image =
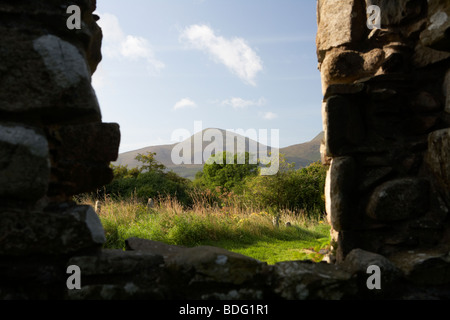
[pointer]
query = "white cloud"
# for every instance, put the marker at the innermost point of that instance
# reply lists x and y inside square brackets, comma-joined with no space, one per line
[270,115]
[184,103]
[117,44]
[234,53]
[241,103]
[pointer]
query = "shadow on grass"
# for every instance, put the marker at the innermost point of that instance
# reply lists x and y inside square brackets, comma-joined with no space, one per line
[307,245]
[293,234]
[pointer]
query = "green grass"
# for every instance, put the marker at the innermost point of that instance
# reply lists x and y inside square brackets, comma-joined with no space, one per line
[250,232]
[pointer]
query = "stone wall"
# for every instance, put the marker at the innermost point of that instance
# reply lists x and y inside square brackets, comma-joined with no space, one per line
[53,144]
[386,120]
[386,116]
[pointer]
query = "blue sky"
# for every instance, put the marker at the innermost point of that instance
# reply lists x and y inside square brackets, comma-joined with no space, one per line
[231,64]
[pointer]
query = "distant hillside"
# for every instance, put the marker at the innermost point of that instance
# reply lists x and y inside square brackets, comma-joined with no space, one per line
[302,154]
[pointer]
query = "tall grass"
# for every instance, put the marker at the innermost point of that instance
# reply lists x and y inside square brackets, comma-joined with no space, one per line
[204,222]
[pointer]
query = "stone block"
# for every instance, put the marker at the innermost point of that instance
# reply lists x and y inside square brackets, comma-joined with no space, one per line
[424,56]
[116,262]
[303,280]
[24,163]
[399,199]
[343,89]
[118,275]
[446,91]
[340,22]
[358,261]
[339,193]
[50,77]
[424,267]
[47,233]
[437,159]
[424,102]
[343,66]
[398,12]
[370,177]
[81,155]
[94,142]
[344,128]
[436,34]
[215,265]
[150,246]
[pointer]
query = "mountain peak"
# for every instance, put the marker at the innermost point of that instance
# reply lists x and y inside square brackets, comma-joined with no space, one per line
[302,154]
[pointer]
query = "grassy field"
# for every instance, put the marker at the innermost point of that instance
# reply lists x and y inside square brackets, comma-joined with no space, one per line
[249,232]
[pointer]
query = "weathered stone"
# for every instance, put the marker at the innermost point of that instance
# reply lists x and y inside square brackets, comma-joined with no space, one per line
[47,72]
[342,89]
[53,16]
[81,155]
[339,190]
[372,176]
[342,66]
[116,262]
[424,56]
[388,74]
[438,159]
[339,23]
[94,33]
[24,163]
[88,217]
[324,158]
[124,275]
[63,61]
[399,199]
[302,280]
[437,35]
[398,12]
[96,142]
[446,91]
[27,233]
[425,102]
[425,267]
[150,246]
[215,265]
[344,127]
[358,261]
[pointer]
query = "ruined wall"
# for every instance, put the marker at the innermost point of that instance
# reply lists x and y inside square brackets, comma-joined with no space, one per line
[386,116]
[53,144]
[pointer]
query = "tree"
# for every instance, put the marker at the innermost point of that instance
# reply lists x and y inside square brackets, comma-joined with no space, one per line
[121,172]
[229,175]
[148,181]
[149,163]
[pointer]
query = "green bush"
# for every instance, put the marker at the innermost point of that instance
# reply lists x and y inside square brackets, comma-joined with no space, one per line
[295,190]
[221,173]
[152,184]
[150,180]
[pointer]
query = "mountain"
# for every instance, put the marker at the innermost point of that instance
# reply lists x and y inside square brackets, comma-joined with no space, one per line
[302,154]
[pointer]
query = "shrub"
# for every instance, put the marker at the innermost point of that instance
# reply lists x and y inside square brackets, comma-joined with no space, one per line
[150,180]
[297,190]
[220,172]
